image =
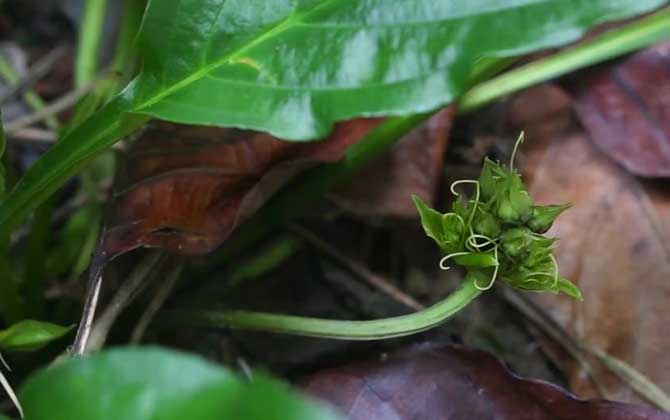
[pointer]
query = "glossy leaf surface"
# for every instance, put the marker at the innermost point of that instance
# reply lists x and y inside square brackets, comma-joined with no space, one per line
[293,68]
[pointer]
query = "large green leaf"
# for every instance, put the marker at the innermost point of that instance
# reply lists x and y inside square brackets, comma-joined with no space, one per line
[28,335]
[155,384]
[293,67]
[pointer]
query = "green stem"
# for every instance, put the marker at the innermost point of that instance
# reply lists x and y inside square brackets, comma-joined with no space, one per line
[615,43]
[398,326]
[90,35]
[35,263]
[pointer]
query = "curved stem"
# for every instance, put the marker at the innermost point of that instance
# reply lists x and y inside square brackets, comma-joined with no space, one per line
[398,326]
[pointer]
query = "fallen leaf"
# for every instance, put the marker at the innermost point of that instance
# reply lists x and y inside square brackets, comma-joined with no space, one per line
[455,383]
[413,166]
[615,245]
[625,108]
[186,188]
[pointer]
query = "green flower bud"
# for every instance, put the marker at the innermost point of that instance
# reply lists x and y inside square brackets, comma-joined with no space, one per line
[544,216]
[512,202]
[453,232]
[486,224]
[516,242]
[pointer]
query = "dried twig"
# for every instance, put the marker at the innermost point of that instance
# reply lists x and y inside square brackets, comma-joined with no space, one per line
[137,280]
[8,388]
[35,73]
[59,105]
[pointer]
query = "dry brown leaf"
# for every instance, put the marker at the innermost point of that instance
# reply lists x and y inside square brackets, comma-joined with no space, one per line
[615,244]
[413,166]
[626,110]
[455,383]
[186,188]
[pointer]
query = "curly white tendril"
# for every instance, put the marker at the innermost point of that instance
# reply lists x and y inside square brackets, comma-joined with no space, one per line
[493,277]
[516,148]
[471,241]
[447,257]
[532,277]
[476,200]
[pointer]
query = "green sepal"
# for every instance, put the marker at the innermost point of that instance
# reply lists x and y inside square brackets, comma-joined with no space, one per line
[491,174]
[477,259]
[543,216]
[431,220]
[567,287]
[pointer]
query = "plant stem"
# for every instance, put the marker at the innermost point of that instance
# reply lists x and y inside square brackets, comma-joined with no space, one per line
[617,42]
[398,326]
[90,35]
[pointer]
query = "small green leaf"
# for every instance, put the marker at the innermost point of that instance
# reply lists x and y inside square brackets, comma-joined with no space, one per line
[431,220]
[544,216]
[29,335]
[569,288]
[158,384]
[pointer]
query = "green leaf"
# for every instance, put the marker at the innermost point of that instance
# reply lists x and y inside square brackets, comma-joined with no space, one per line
[3,146]
[569,288]
[544,216]
[293,68]
[431,220]
[157,384]
[29,335]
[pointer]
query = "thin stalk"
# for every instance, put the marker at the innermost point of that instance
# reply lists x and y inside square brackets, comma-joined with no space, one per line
[90,36]
[33,100]
[614,43]
[398,326]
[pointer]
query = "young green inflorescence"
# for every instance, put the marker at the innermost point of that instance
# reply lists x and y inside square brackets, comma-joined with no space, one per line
[496,234]
[499,233]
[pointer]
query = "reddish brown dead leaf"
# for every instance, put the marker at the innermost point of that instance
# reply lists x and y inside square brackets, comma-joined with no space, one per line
[413,166]
[615,244]
[626,110]
[186,188]
[455,383]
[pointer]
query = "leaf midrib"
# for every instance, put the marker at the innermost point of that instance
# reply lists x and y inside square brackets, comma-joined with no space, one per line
[288,23]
